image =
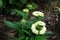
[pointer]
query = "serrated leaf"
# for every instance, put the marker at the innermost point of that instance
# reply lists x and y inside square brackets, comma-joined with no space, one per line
[10,24]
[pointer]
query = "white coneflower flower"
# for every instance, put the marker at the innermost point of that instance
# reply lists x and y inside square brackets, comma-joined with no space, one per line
[38,13]
[40,31]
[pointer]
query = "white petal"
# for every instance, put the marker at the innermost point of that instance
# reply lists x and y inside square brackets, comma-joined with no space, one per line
[33,28]
[43,30]
[38,13]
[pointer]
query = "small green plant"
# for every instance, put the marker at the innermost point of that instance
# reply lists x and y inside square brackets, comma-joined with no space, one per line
[32,28]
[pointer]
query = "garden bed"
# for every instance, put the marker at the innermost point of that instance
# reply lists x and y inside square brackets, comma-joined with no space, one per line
[50,18]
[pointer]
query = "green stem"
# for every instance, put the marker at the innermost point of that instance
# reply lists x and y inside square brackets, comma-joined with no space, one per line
[22,30]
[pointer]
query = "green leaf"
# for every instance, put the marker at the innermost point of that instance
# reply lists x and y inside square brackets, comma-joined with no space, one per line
[10,24]
[27,32]
[41,37]
[23,1]
[48,33]
[1,3]
[17,12]
[27,38]
[32,39]
[13,12]
[20,38]
[10,1]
